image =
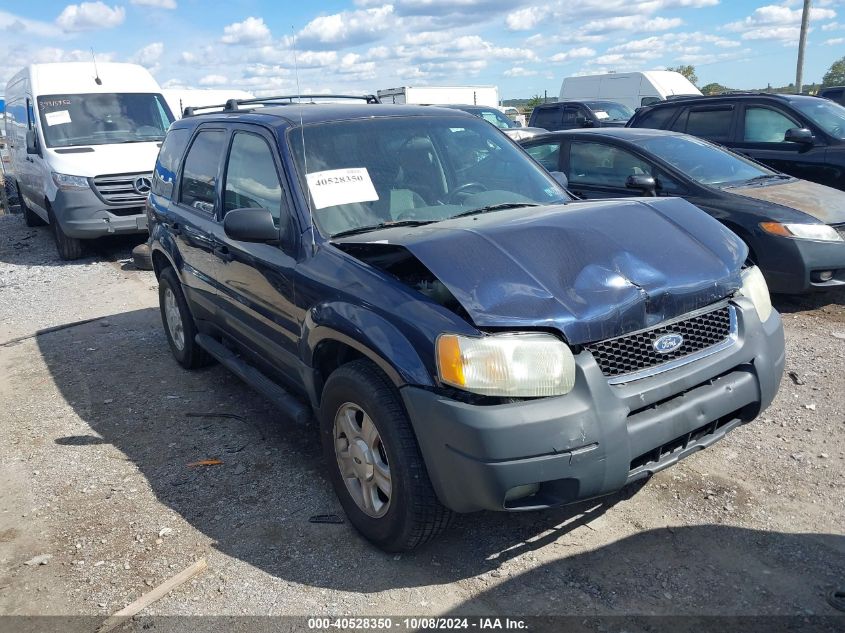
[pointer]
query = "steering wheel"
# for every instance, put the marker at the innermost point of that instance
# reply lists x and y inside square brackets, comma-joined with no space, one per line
[465,189]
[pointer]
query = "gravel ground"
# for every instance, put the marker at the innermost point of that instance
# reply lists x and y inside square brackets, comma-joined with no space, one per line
[100,426]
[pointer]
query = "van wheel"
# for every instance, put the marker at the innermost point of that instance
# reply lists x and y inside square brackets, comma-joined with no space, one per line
[69,248]
[179,323]
[31,218]
[374,460]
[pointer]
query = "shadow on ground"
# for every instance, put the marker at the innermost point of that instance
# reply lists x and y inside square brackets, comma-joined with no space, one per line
[122,381]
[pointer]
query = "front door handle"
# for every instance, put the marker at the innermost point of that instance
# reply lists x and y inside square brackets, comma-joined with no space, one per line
[223,253]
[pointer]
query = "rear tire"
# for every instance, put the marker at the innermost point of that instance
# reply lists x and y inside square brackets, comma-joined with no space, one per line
[69,248]
[178,322]
[366,431]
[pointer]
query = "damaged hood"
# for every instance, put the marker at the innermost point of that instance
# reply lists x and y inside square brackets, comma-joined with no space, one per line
[823,203]
[592,270]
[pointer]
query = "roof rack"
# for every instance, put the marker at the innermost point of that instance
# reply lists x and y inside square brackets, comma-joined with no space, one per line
[233,105]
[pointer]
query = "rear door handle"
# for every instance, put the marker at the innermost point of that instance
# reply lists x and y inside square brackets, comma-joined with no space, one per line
[223,253]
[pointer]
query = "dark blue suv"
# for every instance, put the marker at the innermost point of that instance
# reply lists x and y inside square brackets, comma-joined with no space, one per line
[465,337]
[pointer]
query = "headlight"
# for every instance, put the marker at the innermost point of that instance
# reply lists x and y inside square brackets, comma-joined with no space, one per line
[821,232]
[68,182]
[510,365]
[754,287]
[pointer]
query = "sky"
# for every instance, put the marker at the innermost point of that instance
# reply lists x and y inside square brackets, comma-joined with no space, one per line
[524,47]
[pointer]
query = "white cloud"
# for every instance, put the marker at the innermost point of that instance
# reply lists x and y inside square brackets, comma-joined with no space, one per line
[214,80]
[835,41]
[89,16]
[519,71]
[526,19]
[12,23]
[631,23]
[250,31]
[574,53]
[149,56]
[348,28]
[776,22]
[157,4]
[831,26]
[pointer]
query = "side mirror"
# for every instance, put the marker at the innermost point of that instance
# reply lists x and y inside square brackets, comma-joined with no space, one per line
[803,136]
[250,225]
[32,142]
[561,178]
[582,121]
[646,184]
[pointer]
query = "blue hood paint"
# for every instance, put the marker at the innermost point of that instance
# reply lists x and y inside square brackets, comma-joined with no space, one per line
[592,270]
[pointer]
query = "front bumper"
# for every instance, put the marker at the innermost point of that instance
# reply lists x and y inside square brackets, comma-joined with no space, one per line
[790,265]
[599,437]
[82,214]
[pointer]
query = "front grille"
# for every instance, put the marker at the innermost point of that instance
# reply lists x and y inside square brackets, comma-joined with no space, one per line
[635,352]
[119,189]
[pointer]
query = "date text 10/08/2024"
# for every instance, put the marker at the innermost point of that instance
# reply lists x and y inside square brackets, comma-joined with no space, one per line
[411,623]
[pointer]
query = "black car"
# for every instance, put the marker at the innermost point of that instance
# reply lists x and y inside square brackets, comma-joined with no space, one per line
[796,134]
[466,336]
[834,93]
[566,115]
[795,229]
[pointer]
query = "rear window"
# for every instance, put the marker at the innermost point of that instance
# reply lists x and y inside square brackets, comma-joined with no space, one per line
[714,125]
[167,164]
[657,118]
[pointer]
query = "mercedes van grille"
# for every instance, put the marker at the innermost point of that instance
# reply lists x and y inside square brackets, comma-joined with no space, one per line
[119,189]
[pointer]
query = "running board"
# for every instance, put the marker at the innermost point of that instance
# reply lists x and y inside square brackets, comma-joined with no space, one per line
[290,406]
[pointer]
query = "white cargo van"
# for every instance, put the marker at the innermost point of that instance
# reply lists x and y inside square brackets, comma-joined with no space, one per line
[180,98]
[432,95]
[631,89]
[83,140]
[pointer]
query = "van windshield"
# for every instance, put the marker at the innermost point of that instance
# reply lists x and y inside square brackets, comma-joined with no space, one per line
[100,119]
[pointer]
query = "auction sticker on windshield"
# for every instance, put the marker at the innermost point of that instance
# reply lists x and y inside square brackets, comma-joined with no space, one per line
[57,118]
[341,186]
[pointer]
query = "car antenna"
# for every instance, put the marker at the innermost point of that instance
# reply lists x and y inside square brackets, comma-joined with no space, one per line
[97,79]
[302,136]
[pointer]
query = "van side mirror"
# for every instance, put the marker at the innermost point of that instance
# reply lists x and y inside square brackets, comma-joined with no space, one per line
[561,178]
[646,184]
[250,225]
[32,142]
[803,136]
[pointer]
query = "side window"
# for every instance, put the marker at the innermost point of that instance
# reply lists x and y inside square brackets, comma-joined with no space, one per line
[548,118]
[570,116]
[167,163]
[712,124]
[599,164]
[251,177]
[669,186]
[764,125]
[199,176]
[547,154]
[658,118]
[649,100]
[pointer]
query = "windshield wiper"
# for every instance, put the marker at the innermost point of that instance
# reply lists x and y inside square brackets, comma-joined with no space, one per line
[152,139]
[763,177]
[382,225]
[496,207]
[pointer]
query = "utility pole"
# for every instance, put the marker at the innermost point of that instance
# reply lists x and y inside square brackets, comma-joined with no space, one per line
[802,41]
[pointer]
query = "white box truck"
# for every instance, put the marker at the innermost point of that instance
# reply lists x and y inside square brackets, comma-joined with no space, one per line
[631,89]
[432,95]
[83,140]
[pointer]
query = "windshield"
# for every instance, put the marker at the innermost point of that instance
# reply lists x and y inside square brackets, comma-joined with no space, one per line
[99,119]
[496,117]
[417,169]
[610,110]
[703,161]
[828,115]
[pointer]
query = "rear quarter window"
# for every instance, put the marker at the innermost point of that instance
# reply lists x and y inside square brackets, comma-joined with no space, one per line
[169,157]
[712,124]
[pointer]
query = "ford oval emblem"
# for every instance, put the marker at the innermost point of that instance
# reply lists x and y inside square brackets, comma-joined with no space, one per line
[668,343]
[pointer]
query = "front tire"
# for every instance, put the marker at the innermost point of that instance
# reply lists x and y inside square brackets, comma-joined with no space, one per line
[178,322]
[69,248]
[374,460]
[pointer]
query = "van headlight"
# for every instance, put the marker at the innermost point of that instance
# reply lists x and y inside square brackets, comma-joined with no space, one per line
[754,287]
[518,365]
[70,183]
